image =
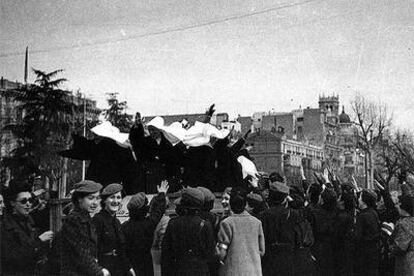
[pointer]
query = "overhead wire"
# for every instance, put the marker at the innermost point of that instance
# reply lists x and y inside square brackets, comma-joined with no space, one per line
[165,31]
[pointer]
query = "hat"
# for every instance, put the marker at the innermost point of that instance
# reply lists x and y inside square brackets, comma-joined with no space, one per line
[192,198]
[137,201]
[387,228]
[279,187]
[254,197]
[111,189]
[208,195]
[87,186]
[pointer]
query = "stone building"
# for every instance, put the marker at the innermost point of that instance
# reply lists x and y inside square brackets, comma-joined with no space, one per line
[323,129]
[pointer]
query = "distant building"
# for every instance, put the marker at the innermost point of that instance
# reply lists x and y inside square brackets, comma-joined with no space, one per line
[274,152]
[332,135]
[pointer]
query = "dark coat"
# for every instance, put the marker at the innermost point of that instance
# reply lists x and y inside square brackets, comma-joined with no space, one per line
[159,161]
[109,162]
[367,240]
[139,236]
[187,246]
[344,243]
[200,167]
[20,246]
[279,223]
[323,227]
[111,239]
[74,250]
[228,171]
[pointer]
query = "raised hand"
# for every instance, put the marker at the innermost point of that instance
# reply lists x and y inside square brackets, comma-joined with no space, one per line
[247,134]
[163,187]
[211,110]
[46,236]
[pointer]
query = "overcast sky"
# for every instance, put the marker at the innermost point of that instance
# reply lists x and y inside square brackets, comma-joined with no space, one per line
[175,56]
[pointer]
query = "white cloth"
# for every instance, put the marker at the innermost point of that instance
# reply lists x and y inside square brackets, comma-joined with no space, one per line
[196,136]
[248,168]
[106,129]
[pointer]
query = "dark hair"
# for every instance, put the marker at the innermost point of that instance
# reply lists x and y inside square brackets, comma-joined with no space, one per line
[369,199]
[349,201]
[329,199]
[298,202]
[12,192]
[238,200]
[315,191]
[275,176]
[78,195]
[407,204]
[276,197]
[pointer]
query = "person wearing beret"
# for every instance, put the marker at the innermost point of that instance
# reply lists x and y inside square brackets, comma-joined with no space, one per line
[139,229]
[21,246]
[75,249]
[111,240]
[367,235]
[279,223]
[188,244]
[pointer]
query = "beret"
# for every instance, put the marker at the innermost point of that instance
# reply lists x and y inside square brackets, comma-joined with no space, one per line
[111,189]
[87,186]
[137,201]
[208,195]
[255,197]
[192,198]
[279,187]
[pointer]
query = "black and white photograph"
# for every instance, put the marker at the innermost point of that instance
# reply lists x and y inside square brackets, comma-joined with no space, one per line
[207,137]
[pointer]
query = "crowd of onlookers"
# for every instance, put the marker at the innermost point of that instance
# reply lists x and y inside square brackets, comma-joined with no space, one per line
[321,227]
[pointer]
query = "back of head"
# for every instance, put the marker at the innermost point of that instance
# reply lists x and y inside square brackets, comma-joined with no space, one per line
[238,200]
[369,198]
[314,191]
[349,201]
[208,200]
[276,177]
[329,199]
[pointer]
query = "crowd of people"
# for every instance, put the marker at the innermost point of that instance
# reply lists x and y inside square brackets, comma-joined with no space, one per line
[319,228]
[266,224]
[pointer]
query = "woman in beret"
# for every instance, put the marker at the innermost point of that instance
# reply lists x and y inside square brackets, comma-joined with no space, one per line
[139,229]
[111,240]
[75,248]
[21,246]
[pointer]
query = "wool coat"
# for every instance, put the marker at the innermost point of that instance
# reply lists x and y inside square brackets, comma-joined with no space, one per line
[139,235]
[402,246]
[74,250]
[367,242]
[187,246]
[243,234]
[20,246]
[279,223]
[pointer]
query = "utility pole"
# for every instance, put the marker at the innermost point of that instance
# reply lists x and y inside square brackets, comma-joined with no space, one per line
[84,135]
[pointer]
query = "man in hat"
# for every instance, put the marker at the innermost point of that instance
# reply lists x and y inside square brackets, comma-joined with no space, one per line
[139,229]
[279,224]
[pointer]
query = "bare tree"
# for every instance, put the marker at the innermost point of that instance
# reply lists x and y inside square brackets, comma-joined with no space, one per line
[371,119]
